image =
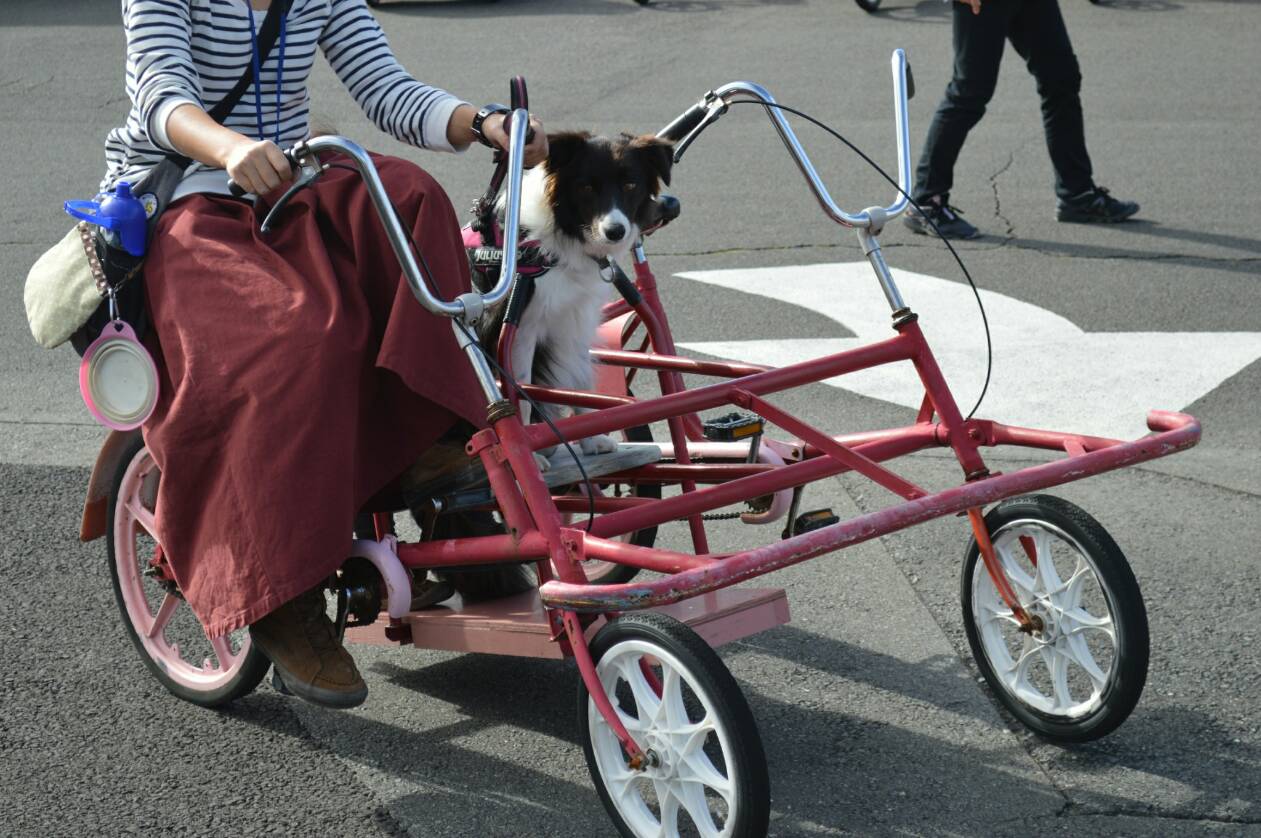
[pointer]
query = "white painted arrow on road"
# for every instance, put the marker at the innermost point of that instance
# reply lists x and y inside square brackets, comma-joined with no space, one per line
[1048,373]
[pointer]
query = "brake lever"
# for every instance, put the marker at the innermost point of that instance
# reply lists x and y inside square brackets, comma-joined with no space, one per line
[309,176]
[715,111]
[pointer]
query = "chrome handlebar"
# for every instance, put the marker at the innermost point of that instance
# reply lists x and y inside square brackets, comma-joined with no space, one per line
[468,306]
[716,101]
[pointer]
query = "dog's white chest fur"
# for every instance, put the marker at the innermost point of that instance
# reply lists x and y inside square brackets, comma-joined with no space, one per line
[553,340]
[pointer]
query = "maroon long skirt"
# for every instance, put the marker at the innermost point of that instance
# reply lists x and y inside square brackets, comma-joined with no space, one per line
[299,376]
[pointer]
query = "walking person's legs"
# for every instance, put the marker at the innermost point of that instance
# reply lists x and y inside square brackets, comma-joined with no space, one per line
[978,52]
[1039,35]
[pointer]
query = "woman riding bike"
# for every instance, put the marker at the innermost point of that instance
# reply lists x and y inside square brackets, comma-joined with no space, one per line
[298,374]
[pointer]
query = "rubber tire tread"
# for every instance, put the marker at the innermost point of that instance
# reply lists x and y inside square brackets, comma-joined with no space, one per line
[621,574]
[256,664]
[1130,616]
[754,793]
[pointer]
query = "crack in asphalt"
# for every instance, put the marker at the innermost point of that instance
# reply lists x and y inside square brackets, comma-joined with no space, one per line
[998,205]
[31,84]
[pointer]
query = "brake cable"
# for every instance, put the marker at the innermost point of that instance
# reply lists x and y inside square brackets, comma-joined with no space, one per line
[989,346]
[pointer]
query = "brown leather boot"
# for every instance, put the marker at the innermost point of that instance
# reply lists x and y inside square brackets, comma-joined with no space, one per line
[301,642]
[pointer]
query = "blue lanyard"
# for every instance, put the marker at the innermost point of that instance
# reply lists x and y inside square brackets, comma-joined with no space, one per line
[280,71]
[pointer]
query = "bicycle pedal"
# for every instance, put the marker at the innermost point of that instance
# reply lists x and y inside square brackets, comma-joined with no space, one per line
[732,427]
[815,519]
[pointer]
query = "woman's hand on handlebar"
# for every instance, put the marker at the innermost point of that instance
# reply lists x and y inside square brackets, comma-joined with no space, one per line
[460,133]
[535,148]
[257,166]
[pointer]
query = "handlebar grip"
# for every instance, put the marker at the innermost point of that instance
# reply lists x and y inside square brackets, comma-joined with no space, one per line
[520,100]
[519,97]
[239,191]
[685,123]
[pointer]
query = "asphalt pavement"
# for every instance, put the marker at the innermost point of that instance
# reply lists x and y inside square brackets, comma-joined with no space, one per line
[870,708]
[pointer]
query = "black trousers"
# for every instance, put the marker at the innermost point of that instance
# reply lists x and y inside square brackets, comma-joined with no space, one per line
[1036,31]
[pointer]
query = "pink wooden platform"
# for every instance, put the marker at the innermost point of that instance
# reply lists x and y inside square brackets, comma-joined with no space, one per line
[517,625]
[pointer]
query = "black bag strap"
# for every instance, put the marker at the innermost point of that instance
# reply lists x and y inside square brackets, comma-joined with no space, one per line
[267,35]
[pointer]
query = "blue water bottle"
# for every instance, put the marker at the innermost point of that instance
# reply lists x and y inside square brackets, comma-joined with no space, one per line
[120,215]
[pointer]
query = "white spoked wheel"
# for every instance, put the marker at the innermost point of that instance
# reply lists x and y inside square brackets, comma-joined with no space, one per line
[162,627]
[706,771]
[1080,672]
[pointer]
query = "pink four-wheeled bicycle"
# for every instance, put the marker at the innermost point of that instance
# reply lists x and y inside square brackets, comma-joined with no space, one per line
[1052,611]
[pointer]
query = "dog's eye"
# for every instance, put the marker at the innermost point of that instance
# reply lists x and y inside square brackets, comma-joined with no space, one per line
[586,188]
[629,186]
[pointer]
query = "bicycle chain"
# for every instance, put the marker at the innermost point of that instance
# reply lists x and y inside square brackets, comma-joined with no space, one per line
[755,507]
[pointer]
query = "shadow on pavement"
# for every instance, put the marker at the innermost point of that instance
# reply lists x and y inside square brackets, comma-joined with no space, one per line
[1141,5]
[924,11]
[1214,772]
[1160,231]
[933,681]
[1220,261]
[936,11]
[828,769]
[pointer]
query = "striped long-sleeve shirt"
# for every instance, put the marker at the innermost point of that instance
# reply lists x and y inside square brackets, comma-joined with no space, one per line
[182,51]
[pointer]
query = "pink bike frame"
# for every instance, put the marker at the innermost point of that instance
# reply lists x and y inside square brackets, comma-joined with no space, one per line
[535,518]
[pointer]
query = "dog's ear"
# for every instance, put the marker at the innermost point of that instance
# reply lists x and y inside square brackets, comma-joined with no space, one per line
[563,147]
[657,153]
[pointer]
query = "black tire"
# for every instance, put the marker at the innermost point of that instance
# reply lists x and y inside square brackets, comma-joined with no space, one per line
[868,5]
[253,669]
[708,676]
[482,582]
[617,574]
[1112,585]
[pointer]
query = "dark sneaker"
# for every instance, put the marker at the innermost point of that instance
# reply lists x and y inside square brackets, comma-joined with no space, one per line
[301,642]
[1094,206]
[945,217]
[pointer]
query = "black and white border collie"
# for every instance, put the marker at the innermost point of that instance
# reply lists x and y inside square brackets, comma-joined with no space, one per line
[588,202]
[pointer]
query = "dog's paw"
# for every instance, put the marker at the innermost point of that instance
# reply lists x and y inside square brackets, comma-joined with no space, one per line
[599,444]
[541,461]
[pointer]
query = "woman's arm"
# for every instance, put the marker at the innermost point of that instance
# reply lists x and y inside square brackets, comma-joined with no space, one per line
[257,165]
[160,62]
[168,94]
[408,110]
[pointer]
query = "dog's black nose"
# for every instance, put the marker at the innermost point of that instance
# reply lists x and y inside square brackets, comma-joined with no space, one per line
[614,232]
